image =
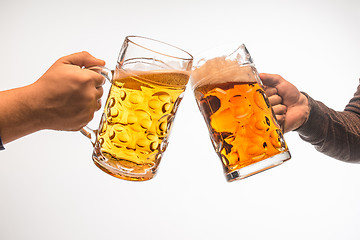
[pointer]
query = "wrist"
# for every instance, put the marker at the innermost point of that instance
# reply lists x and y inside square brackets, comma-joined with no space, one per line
[34,105]
[17,117]
[304,108]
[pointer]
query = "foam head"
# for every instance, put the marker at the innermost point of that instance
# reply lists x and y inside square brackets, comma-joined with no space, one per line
[221,69]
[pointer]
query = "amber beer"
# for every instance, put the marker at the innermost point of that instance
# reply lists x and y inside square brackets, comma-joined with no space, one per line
[137,120]
[239,117]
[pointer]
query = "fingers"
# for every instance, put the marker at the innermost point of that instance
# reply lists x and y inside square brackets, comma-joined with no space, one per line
[82,59]
[281,121]
[269,91]
[98,105]
[97,78]
[275,100]
[273,96]
[98,95]
[280,109]
[280,113]
[99,92]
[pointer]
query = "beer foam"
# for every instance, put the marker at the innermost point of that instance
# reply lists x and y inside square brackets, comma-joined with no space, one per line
[220,70]
[171,77]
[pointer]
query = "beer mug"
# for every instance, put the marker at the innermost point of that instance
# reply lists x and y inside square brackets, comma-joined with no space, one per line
[242,126]
[147,87]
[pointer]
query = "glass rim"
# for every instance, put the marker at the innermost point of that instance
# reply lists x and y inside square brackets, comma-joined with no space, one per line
[132,39]
[227,50]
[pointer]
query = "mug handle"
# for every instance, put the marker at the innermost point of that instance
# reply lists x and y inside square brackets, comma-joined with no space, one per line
[108,74]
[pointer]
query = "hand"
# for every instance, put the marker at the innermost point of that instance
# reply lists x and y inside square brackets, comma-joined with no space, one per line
[289,104]
[64,98]
[68,94]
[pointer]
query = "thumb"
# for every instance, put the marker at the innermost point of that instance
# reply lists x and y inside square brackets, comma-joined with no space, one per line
[82,59]
[270,80]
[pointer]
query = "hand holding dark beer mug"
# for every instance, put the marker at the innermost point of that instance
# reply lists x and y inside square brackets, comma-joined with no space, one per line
[242,127]
[290,105]
[334,133]
[146,89]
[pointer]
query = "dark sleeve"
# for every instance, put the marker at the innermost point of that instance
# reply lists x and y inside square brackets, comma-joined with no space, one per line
[1,145]
[334,133]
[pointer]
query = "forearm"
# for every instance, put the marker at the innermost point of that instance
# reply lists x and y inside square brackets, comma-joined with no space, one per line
[336,134]
[18,113]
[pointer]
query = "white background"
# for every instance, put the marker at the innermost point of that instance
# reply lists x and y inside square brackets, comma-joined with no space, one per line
[50,189]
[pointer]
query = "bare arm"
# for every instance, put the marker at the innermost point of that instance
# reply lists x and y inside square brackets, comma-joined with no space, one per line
[64,98]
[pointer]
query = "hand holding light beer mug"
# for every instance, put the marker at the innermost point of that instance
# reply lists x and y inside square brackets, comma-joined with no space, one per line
[240,120]
[146,89]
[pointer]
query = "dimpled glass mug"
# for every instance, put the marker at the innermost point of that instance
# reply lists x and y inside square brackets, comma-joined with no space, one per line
[147,87]
[240,120]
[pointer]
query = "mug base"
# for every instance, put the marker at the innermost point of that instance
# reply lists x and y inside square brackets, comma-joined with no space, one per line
[258,167]
[118,173]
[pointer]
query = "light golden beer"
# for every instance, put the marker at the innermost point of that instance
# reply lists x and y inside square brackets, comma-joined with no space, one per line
[137,120]
[238,115]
